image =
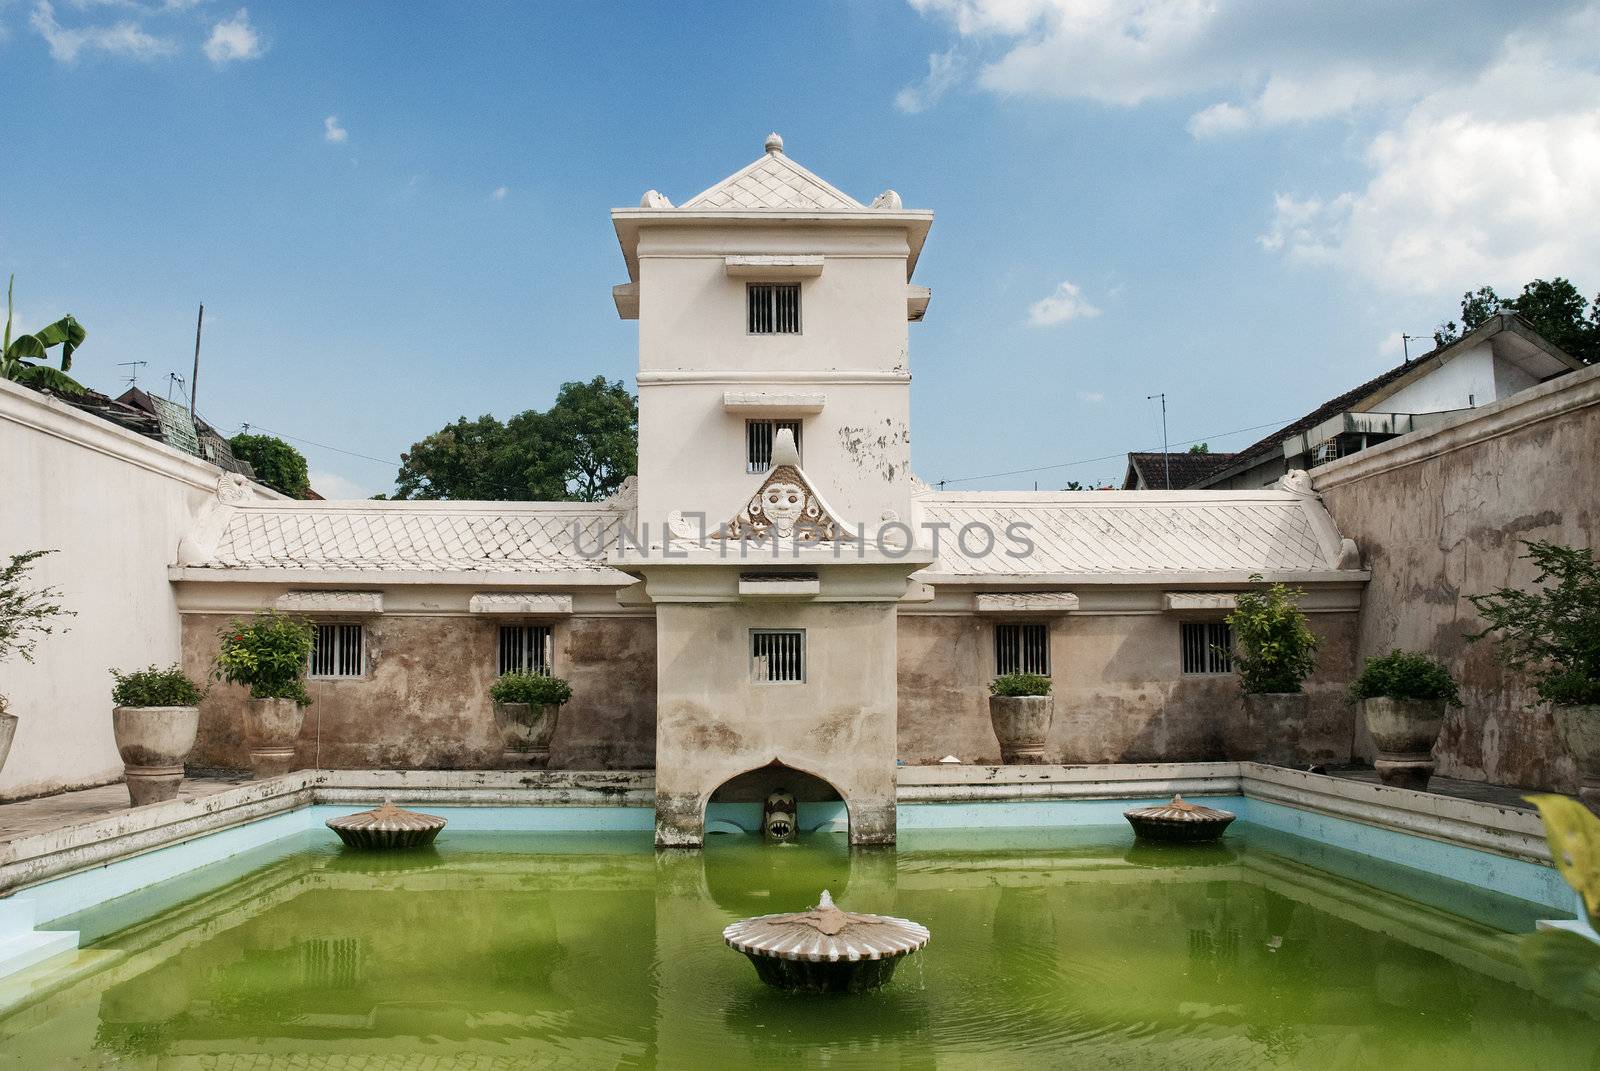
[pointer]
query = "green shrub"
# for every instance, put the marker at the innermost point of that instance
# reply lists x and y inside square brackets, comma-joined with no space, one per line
[267,654]
[26,613]
[534,689]
[1014,684]
[1403,675]
[1276,648]
[153,687]
[1553,633]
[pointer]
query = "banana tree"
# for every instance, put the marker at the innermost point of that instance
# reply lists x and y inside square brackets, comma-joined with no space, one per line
[17,353]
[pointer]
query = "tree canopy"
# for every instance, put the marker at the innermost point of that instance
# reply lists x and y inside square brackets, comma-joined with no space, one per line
[581,448]
[1555,308]
[277,464]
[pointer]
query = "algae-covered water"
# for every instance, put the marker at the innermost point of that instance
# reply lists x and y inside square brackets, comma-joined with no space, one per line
[1050,949]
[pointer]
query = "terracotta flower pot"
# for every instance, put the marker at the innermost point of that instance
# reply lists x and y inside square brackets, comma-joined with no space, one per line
[527,733]
[1404,731]
[271,727]
[1579,731]
[153,742]
[1022,725]
[1272,724]
[8,730]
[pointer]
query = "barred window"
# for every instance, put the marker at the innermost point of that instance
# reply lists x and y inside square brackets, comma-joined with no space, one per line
[338,651]
[759,435]
[778,656]
[1022,649]
[526,649]
[1207,646]
[773,308]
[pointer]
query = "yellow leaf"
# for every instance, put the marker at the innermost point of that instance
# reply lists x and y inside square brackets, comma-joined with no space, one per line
[1574,834]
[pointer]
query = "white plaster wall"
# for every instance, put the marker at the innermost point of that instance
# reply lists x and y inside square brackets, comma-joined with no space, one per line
[114,506]
[693,347]
[1474,378]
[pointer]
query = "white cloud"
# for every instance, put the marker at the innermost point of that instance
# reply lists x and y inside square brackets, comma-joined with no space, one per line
[944,70]
[127,38]
[332,131]
[1093,397]
[499,193]
[1067,303]
[1492,181]
[1220,118]
[234,39]
[332,485]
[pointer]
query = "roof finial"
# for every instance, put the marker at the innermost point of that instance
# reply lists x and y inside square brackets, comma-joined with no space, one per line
[774,143]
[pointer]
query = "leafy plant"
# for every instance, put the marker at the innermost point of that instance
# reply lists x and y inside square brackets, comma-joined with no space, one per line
[1016,684]
[16,353]
[154,687]
[1276,647]
[26,614]
[1552,632]
[268,655]
[1403,675]
[276,463]
[535,689]
[1564,965]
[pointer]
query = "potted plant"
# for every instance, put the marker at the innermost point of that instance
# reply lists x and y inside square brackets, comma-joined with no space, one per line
[1275,651]
[1403,698]
[155,718]
[1020,708]
[1554,634]
[268,654]
[526,706]
[25,618]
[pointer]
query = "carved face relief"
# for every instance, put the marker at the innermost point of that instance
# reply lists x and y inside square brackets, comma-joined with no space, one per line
[778,816]
[784,503]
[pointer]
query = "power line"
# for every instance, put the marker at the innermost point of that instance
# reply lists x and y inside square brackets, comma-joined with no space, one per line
[321,446]
[1108,457]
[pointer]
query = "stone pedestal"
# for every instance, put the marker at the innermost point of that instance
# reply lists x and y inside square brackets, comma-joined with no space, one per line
[1022,725]
[1404,731]
[527,731]
[271,727]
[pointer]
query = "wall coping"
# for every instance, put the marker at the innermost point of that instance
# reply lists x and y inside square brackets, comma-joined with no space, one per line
[1548,401]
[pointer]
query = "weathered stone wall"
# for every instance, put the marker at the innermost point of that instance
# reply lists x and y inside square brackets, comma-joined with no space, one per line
[1443,515]
[1120,693]
[424,703]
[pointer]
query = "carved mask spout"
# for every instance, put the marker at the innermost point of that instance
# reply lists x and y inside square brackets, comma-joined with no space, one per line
[778,817]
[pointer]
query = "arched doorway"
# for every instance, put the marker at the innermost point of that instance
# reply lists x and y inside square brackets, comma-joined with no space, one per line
[735,805]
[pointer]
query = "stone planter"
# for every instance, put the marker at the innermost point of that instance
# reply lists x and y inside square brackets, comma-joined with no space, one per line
[1579,731]
[271,727]
[527,733]
[8,730]
[1022,725]
[1273,722]
[1404,731]
[153,742]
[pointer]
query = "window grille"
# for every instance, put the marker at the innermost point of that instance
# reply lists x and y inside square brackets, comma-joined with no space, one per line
[1022,649]
[759,435]
[773,308]
[526,649]
[778,656]
[1207,646]
[337,651]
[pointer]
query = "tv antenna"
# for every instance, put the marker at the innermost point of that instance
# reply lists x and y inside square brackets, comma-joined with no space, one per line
[133,376]
[1405,344]
[175,380]
[1166,460]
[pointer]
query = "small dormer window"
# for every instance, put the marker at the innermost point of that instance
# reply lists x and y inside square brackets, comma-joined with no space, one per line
[759,435]
[773,308]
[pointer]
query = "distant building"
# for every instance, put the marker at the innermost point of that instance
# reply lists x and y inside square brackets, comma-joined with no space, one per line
[1502,357]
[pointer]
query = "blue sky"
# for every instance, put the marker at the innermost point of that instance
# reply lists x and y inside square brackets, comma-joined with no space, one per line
[396,215]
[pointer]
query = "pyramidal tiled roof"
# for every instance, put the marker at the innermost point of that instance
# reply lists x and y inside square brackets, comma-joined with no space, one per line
[775,182]
[1120,533]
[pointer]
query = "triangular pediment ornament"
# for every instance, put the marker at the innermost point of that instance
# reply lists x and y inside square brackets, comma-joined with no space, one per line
[786,506]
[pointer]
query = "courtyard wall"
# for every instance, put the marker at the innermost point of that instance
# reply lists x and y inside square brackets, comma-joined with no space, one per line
[113,506]
[1443,515]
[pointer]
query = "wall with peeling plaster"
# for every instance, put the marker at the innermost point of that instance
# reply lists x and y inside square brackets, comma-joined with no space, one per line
[1442,515]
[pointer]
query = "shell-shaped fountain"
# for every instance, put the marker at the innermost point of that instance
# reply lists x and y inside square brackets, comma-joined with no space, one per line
[826,949]
[386,827]
[1179,820]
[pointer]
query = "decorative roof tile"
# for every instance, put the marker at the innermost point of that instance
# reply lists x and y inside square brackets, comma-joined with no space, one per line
[774,182]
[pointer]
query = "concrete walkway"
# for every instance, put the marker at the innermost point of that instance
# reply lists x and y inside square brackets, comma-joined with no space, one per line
[1478,791]
[44,813]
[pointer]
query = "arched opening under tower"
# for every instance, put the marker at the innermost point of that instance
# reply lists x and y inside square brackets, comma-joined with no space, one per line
[740,804]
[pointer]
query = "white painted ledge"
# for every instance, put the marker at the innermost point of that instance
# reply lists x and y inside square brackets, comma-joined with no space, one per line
[770,402]
[773,267]
[331,602]
[516,602]
[1025,602]
[1181,601]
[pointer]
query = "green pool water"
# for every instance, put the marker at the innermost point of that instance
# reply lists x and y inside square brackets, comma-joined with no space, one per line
[1050,949]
